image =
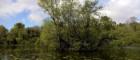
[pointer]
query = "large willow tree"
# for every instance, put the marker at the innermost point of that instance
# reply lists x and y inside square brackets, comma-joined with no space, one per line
[75,26]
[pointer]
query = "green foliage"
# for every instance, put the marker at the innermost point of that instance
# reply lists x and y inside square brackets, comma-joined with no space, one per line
[17,34]
[77,29]
[3,36]
[47,37]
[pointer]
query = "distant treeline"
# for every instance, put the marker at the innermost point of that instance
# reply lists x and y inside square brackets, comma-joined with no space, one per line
[103,37]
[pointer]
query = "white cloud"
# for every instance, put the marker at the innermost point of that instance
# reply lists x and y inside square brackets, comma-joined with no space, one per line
[10,8]
[121,10]
[118,10]
[38,17]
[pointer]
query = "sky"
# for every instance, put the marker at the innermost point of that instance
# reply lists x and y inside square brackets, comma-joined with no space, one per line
[26,11]
[29,13]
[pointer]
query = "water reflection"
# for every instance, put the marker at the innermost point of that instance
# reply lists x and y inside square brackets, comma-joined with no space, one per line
[35,54]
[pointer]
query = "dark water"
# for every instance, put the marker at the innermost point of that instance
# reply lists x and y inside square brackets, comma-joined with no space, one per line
[129,53]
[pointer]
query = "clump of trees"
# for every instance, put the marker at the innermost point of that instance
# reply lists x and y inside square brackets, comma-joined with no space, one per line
[75,31]
[19,40]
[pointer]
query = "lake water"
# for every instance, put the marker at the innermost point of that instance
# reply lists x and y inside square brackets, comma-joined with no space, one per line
[130,54]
